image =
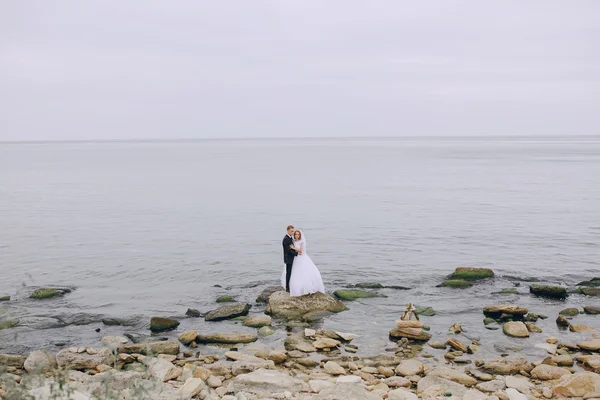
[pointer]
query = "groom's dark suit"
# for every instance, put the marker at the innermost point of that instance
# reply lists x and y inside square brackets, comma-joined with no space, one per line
[288,259]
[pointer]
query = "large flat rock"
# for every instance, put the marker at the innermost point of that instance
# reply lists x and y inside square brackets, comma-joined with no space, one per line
[282,305]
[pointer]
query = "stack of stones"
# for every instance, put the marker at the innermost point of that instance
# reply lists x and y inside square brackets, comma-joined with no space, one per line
[409,329]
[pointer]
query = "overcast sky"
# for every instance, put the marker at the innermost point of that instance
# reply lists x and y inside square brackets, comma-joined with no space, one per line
[115,69]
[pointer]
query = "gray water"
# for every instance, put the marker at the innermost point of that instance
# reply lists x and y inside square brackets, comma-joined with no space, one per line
[149,228]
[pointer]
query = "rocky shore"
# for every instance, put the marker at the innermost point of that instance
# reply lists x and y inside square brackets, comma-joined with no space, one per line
[317,363]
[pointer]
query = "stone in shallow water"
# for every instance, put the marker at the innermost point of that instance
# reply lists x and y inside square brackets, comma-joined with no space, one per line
[47,293]
[455,283]
[160,324]
[257,321]
[550,291]
[354,294]
[515,329]
[497,310]
[472,274]
[507,366]
[228,312]
[570,312]
[591,310]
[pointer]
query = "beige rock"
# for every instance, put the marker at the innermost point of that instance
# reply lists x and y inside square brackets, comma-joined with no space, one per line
[590,345]
[326,343]
[87,359]
[188,337]
[386,371]
[474,394]
[257,321]
[515,329]
[161,369]
[410,367]
[317,385]
[409,333]
[397,381]
[202,373]
[192,387]
[280,304]
[453,375]
[227,338]
[507,366]
[520,383]
[491,386]
[552,340]
[409,324]
[514,394]
[277,357]
[333,368]
[457,344]
[214,382]
[545,372]
[533,328]
[578,385]
[505,309]
[108,340]
[580,328]
[40,361]
[402,394]
[166,347]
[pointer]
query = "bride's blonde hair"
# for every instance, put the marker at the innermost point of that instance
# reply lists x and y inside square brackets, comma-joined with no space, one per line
[299,235]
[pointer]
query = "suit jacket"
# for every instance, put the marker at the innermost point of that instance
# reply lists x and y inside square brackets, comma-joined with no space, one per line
[288,253]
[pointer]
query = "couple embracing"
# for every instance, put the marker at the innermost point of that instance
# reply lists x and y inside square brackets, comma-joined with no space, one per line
[300,275]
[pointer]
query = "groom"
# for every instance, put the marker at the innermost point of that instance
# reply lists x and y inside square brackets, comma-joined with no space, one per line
[288,255]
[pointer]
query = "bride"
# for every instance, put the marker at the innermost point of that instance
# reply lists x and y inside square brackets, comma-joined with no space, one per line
[306,278]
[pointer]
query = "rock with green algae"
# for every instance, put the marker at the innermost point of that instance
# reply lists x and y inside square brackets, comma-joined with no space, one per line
[225,299]
[424,311]
[5,298]
[353,294]
[472,274]
[161,324]
[8,323]
[569,312]
[456,283]
[47,293]
[595,282]
[550,291]
[588,291]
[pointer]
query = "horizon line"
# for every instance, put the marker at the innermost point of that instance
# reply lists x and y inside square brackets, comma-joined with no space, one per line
[267,138]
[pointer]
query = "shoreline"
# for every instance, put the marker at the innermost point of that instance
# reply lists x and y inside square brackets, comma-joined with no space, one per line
[309,363]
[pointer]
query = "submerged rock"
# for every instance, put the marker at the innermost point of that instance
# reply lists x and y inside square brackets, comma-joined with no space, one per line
[354,294]
[282,305]
[425,311]
[588,291]
[167,347]
[161,324]
[472,274]
[5,298]
[550,291]
[8,323]
[228,312]
[591,310]
[225,299]
[594,282]
[455,283]
[47,293]
[569,312]
[507,291]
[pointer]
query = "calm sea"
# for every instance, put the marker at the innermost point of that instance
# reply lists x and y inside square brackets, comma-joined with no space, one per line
[149,228]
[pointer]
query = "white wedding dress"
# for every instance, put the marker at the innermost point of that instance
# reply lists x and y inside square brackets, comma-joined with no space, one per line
[306,278]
